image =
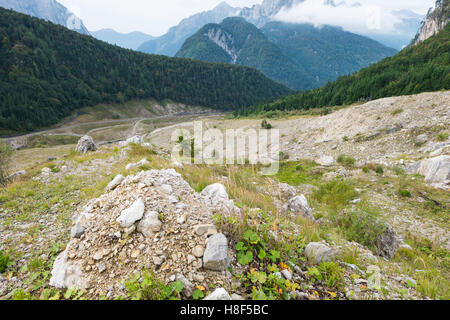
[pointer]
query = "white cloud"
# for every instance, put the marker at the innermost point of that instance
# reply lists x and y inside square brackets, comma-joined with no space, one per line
[363,16]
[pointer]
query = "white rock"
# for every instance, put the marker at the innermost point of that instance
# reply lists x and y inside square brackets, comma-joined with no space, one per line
[86,144]
[216,254]
[216,191]
[135,140]
[134,213]
[66,274]
[218,294]
[131,166]
[326,161]
[436,171]
[299,205]
[16,174]
[150,225]
[115,182]
[318,252]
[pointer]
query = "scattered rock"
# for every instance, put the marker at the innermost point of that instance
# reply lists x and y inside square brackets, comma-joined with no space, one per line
[218,294]
[131,166]
[299,205]
[436,171]
[198,251]
[86,144]
[326,161]
[216,191]
[134,213]
[208,229]
[66,274]
[236,297]
[115,182]
[188,287]
[386,245]
[150,225]
[318,252]
[287,274]
[16,175]
[216,253]
[77,231]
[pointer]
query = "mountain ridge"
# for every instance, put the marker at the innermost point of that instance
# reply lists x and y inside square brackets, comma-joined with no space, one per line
[302,57]
[47,71]
[49,10]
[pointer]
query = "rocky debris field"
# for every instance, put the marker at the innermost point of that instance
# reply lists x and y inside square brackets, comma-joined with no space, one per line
[362,217]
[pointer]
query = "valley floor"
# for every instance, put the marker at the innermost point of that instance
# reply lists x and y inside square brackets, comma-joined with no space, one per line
[357,167]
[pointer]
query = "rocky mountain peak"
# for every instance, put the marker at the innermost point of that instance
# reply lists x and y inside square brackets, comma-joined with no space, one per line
[435,21]
[49,10]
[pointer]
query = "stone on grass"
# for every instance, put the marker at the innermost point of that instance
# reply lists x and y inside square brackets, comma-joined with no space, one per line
[387,244]
[86,144]
[318,252]
[299,205]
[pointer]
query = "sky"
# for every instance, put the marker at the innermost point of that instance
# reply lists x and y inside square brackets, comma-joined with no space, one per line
[155,17]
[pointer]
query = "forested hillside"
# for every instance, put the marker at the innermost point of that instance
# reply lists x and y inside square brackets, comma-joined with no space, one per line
[326,52]
[48,71]
[239,42]
[425,67]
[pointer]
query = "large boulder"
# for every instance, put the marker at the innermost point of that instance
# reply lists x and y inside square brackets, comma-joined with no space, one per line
[299,205]
[86,144]
[129,216]
[318,252]
[436,171]
[215,256]
[387,244]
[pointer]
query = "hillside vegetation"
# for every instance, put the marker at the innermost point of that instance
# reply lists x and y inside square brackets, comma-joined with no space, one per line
[47,71]
[425,67]
[245,45]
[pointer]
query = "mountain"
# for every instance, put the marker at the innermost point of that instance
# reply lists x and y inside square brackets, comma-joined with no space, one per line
[49,10]
[300,56]
[130,40]
[435,21]
[421,68]
[48,71]
[326,52]
[172,41]
[260,14]
[239,42]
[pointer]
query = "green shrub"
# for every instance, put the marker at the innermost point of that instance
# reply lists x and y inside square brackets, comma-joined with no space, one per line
[362,226]
[346,160]
[404,193]
[4,261]
[266,125]
[328,273]
[379,170]
[397,111]
[335,194]
[146,286]
[443,136]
